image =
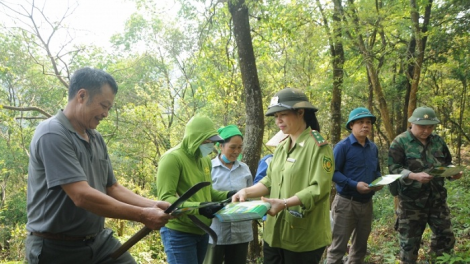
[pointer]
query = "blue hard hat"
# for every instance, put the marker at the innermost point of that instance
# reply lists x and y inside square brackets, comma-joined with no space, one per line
[358,113]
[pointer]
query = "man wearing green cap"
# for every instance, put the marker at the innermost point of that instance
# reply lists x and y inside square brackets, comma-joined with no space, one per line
[422,197]
[356,166]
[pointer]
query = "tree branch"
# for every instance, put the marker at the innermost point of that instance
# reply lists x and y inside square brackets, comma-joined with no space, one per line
[29,108]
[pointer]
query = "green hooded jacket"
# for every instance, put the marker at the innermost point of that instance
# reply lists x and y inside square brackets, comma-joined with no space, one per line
[182,167]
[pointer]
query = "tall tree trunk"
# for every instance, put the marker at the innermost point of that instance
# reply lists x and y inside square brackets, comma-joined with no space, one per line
[403,125]
[463,102]
[337,59]
[370,104]
[379,94]
[254,107]
[420,38]
[372,70]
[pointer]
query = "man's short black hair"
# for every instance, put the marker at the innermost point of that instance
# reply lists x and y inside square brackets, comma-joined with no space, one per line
[91,80]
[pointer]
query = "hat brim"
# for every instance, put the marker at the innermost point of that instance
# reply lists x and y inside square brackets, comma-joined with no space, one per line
[276,139]
[293,105]
[216,138]
[272,110]
[372,118]
[423,122]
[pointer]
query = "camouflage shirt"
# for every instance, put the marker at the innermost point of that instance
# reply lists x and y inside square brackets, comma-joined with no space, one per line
[407,154]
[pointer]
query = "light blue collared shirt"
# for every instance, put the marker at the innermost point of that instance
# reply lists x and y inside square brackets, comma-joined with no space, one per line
[225,179]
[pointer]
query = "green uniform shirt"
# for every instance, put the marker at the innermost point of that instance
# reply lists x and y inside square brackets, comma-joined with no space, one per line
[305,171]
[182,167]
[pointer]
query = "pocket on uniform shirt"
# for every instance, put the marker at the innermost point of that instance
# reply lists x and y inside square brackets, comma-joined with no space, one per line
[297,228]
[414,161]
[439,156]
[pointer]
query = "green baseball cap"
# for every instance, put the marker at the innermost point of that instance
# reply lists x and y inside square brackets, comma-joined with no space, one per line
[288,99]
[424,116]
[358,113]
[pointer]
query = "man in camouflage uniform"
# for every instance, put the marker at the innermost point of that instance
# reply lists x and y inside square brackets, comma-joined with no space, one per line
[422,197]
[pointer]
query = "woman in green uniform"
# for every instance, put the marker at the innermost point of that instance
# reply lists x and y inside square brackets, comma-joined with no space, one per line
[298,184]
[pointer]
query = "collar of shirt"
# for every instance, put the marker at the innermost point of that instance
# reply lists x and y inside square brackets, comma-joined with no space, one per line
[66,123]
[299,142]
[353,140]
[216,162]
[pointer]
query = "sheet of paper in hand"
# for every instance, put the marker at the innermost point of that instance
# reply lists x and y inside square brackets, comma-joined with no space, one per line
[384,180]
[446,171]
[243,211]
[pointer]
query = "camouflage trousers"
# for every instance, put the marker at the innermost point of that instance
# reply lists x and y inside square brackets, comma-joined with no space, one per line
[411,222]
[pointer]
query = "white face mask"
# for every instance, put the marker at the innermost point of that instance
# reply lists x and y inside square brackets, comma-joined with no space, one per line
[206,148]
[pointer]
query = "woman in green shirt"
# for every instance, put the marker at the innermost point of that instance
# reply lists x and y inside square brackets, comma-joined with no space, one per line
[298,184]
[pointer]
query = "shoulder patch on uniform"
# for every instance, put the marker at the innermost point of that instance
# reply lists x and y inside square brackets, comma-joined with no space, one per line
[327,164]
[318,138]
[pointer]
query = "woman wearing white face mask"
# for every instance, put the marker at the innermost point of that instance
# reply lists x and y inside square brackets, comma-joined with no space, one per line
[178,170]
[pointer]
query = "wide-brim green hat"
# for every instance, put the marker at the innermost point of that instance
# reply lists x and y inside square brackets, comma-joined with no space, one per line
[424,116]
[288,99]
[359,113]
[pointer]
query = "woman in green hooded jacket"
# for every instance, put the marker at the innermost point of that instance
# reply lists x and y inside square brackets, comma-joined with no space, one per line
[179,169]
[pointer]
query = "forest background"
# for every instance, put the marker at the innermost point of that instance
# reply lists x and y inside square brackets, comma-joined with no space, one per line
[226,59]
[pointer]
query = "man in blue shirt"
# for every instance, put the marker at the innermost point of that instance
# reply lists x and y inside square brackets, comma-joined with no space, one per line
[356,165]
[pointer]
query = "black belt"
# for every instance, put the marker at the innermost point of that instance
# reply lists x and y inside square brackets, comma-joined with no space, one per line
[63,237]
[356,199]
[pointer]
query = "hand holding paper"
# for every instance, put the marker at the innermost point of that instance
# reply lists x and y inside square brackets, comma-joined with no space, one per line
[384,180]
[446,171]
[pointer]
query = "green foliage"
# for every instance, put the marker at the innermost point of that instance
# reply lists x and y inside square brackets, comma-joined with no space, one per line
[449,259]
[171,67]
[15,243]
[383,241]
[14,210]
[148,250]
